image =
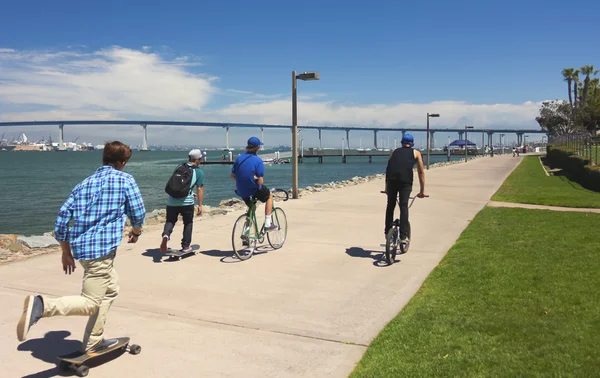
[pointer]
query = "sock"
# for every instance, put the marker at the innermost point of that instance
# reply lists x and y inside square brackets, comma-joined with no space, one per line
[268,220]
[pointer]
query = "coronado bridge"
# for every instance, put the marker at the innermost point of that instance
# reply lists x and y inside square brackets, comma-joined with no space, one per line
[144,125]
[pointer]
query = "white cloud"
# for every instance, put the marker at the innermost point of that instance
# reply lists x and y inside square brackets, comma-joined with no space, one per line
[452,114]
[114,80]
[122,83]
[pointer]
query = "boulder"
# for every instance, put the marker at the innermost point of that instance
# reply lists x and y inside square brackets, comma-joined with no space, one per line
[37,241]
[150,216]
[15,247]
[6,239]
[230,202]
[218,212]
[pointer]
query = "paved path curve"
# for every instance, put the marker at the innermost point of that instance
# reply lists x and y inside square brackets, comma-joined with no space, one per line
[541,207]
[307,310]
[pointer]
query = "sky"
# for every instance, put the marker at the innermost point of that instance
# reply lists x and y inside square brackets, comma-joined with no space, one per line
[381,63]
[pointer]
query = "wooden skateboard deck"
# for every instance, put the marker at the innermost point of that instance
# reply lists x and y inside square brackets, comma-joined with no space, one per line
[75,361]
[178,254]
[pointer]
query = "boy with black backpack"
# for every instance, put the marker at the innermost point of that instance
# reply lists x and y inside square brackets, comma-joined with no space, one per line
[180,189]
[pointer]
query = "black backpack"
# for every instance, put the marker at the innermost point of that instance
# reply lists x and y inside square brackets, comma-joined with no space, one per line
[180,182]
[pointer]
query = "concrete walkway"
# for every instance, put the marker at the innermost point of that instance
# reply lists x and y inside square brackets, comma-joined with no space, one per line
[542,207]
[309,309]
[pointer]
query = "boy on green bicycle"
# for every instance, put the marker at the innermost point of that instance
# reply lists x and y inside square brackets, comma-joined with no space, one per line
[248,172]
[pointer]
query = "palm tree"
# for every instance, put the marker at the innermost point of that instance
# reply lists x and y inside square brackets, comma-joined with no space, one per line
[587,70]
[575,84]
[594,87]
[568,76]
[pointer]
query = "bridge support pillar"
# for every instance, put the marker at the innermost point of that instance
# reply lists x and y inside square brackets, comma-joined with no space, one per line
[347,138]
[371,157]
[320,143]
[482,142]
[375,138]
[61,137]
[262,136]
[145,141]
[461,135]
[320,159]
[227,137]
[432,140]
[344,159]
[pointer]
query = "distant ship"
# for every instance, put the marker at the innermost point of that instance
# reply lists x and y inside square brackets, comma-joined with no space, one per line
[5,146]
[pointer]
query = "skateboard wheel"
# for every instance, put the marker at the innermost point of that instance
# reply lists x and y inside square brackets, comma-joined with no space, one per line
[64,366]
[135,349]
[82,371]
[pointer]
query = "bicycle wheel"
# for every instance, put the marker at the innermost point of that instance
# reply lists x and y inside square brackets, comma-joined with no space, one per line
[277,237]
[391,245]
[242,240]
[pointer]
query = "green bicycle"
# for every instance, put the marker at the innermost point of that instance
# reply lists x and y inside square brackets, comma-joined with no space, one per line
[246,233]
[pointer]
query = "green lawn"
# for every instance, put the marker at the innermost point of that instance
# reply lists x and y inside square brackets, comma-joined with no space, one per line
[529,184]
[518,295]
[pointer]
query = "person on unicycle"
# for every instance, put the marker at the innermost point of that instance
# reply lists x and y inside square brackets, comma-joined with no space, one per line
[399,180]
[248,172]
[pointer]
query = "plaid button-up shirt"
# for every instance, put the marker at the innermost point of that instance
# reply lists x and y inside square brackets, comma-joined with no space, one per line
[98,207]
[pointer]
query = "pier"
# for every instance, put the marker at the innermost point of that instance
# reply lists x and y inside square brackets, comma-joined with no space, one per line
[320,154]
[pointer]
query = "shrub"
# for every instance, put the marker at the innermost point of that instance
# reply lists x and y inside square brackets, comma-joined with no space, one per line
[578,168]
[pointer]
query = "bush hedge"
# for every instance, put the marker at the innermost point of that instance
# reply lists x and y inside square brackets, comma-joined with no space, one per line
[578,168]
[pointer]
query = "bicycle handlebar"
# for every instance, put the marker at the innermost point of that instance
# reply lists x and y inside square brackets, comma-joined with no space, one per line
[417,196]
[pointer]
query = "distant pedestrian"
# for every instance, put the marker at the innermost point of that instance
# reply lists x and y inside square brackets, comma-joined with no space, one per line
[97,206]
[180,188]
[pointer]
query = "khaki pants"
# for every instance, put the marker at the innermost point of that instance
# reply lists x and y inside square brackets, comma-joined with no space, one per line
[99,290]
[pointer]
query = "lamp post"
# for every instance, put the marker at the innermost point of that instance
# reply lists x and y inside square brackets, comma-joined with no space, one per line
[428,116]
[467,141]
[303,76]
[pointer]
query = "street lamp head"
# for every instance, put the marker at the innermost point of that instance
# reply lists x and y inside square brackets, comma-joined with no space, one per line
[308,76]
[433,115]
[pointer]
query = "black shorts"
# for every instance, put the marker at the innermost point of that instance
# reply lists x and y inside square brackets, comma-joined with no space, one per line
[261,194]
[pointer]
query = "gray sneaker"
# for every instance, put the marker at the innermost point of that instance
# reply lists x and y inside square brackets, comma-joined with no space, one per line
[103,344]
[271,227]
[33,309]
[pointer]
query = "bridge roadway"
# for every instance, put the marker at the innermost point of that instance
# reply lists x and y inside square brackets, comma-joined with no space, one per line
[307,310]
[145,124]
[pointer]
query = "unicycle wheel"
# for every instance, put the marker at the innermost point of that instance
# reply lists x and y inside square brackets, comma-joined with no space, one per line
[391,245]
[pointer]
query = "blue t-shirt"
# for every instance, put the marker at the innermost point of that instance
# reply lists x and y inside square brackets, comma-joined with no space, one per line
[197,181]
[247,166]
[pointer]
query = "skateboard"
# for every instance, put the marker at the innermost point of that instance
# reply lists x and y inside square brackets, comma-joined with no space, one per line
[175,254]
[75,361]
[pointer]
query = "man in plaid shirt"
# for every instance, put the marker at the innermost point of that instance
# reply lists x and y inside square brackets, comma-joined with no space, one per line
[98,207]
